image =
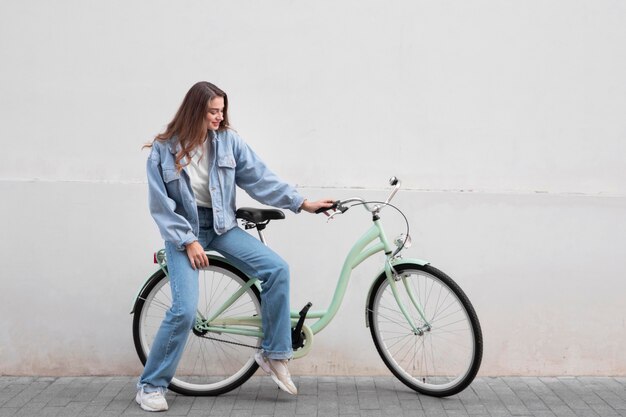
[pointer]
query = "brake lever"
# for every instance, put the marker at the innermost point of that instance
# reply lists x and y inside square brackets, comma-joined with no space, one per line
[332,216]
[338,210]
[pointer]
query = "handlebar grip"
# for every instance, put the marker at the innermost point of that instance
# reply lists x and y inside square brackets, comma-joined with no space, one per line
[323,209]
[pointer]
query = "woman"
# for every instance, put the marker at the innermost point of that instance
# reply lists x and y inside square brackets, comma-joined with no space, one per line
[192,172]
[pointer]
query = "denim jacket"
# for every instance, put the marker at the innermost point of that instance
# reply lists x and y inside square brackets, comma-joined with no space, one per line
[232,162]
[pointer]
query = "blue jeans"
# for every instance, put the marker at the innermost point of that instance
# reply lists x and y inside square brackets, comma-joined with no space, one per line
[250,256]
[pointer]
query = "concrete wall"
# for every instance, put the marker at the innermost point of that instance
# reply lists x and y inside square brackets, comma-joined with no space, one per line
[504,119]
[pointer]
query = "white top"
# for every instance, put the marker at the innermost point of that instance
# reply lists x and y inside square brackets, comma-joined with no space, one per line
[198,170]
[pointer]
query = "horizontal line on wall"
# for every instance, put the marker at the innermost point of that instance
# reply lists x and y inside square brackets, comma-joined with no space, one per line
[328,187]
[475,191]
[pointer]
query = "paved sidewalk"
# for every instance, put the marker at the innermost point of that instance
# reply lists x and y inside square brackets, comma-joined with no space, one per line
[322,396]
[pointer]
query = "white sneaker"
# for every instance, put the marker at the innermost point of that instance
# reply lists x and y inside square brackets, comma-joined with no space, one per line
[263,362]
[278,371]
[151,401]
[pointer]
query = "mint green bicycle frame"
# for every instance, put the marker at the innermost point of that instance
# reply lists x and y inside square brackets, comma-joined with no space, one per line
[372,242]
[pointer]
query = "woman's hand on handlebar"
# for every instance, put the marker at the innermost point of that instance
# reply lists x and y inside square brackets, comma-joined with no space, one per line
[196,255]
[318,206]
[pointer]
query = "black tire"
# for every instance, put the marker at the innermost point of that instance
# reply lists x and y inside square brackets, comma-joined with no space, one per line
[442,361]
[207,367]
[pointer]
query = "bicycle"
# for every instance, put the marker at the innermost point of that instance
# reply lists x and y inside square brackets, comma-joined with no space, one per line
[422,324]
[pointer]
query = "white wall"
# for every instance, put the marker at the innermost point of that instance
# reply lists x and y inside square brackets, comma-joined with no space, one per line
[504,119]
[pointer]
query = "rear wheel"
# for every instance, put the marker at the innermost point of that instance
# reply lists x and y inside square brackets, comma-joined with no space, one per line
[208,366]
[445,358]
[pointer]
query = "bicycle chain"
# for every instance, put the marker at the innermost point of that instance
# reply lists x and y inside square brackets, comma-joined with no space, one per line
[230,342]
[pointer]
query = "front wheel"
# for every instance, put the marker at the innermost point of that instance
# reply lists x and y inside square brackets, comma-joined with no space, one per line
[443,357]
[211,363]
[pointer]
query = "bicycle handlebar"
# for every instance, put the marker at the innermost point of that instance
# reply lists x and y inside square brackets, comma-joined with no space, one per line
[394,181]
[333,207]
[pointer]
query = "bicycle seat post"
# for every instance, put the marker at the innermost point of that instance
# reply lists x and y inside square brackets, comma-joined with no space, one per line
[261,235]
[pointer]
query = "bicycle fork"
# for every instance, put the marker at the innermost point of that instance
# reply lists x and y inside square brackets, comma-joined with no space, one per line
[393,277]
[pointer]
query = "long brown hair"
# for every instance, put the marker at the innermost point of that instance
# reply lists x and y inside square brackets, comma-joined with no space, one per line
[187,123]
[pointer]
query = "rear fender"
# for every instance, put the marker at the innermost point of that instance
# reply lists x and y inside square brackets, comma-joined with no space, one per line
[212,257]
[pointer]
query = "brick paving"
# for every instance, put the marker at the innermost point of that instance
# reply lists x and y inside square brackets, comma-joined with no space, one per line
[322,396]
